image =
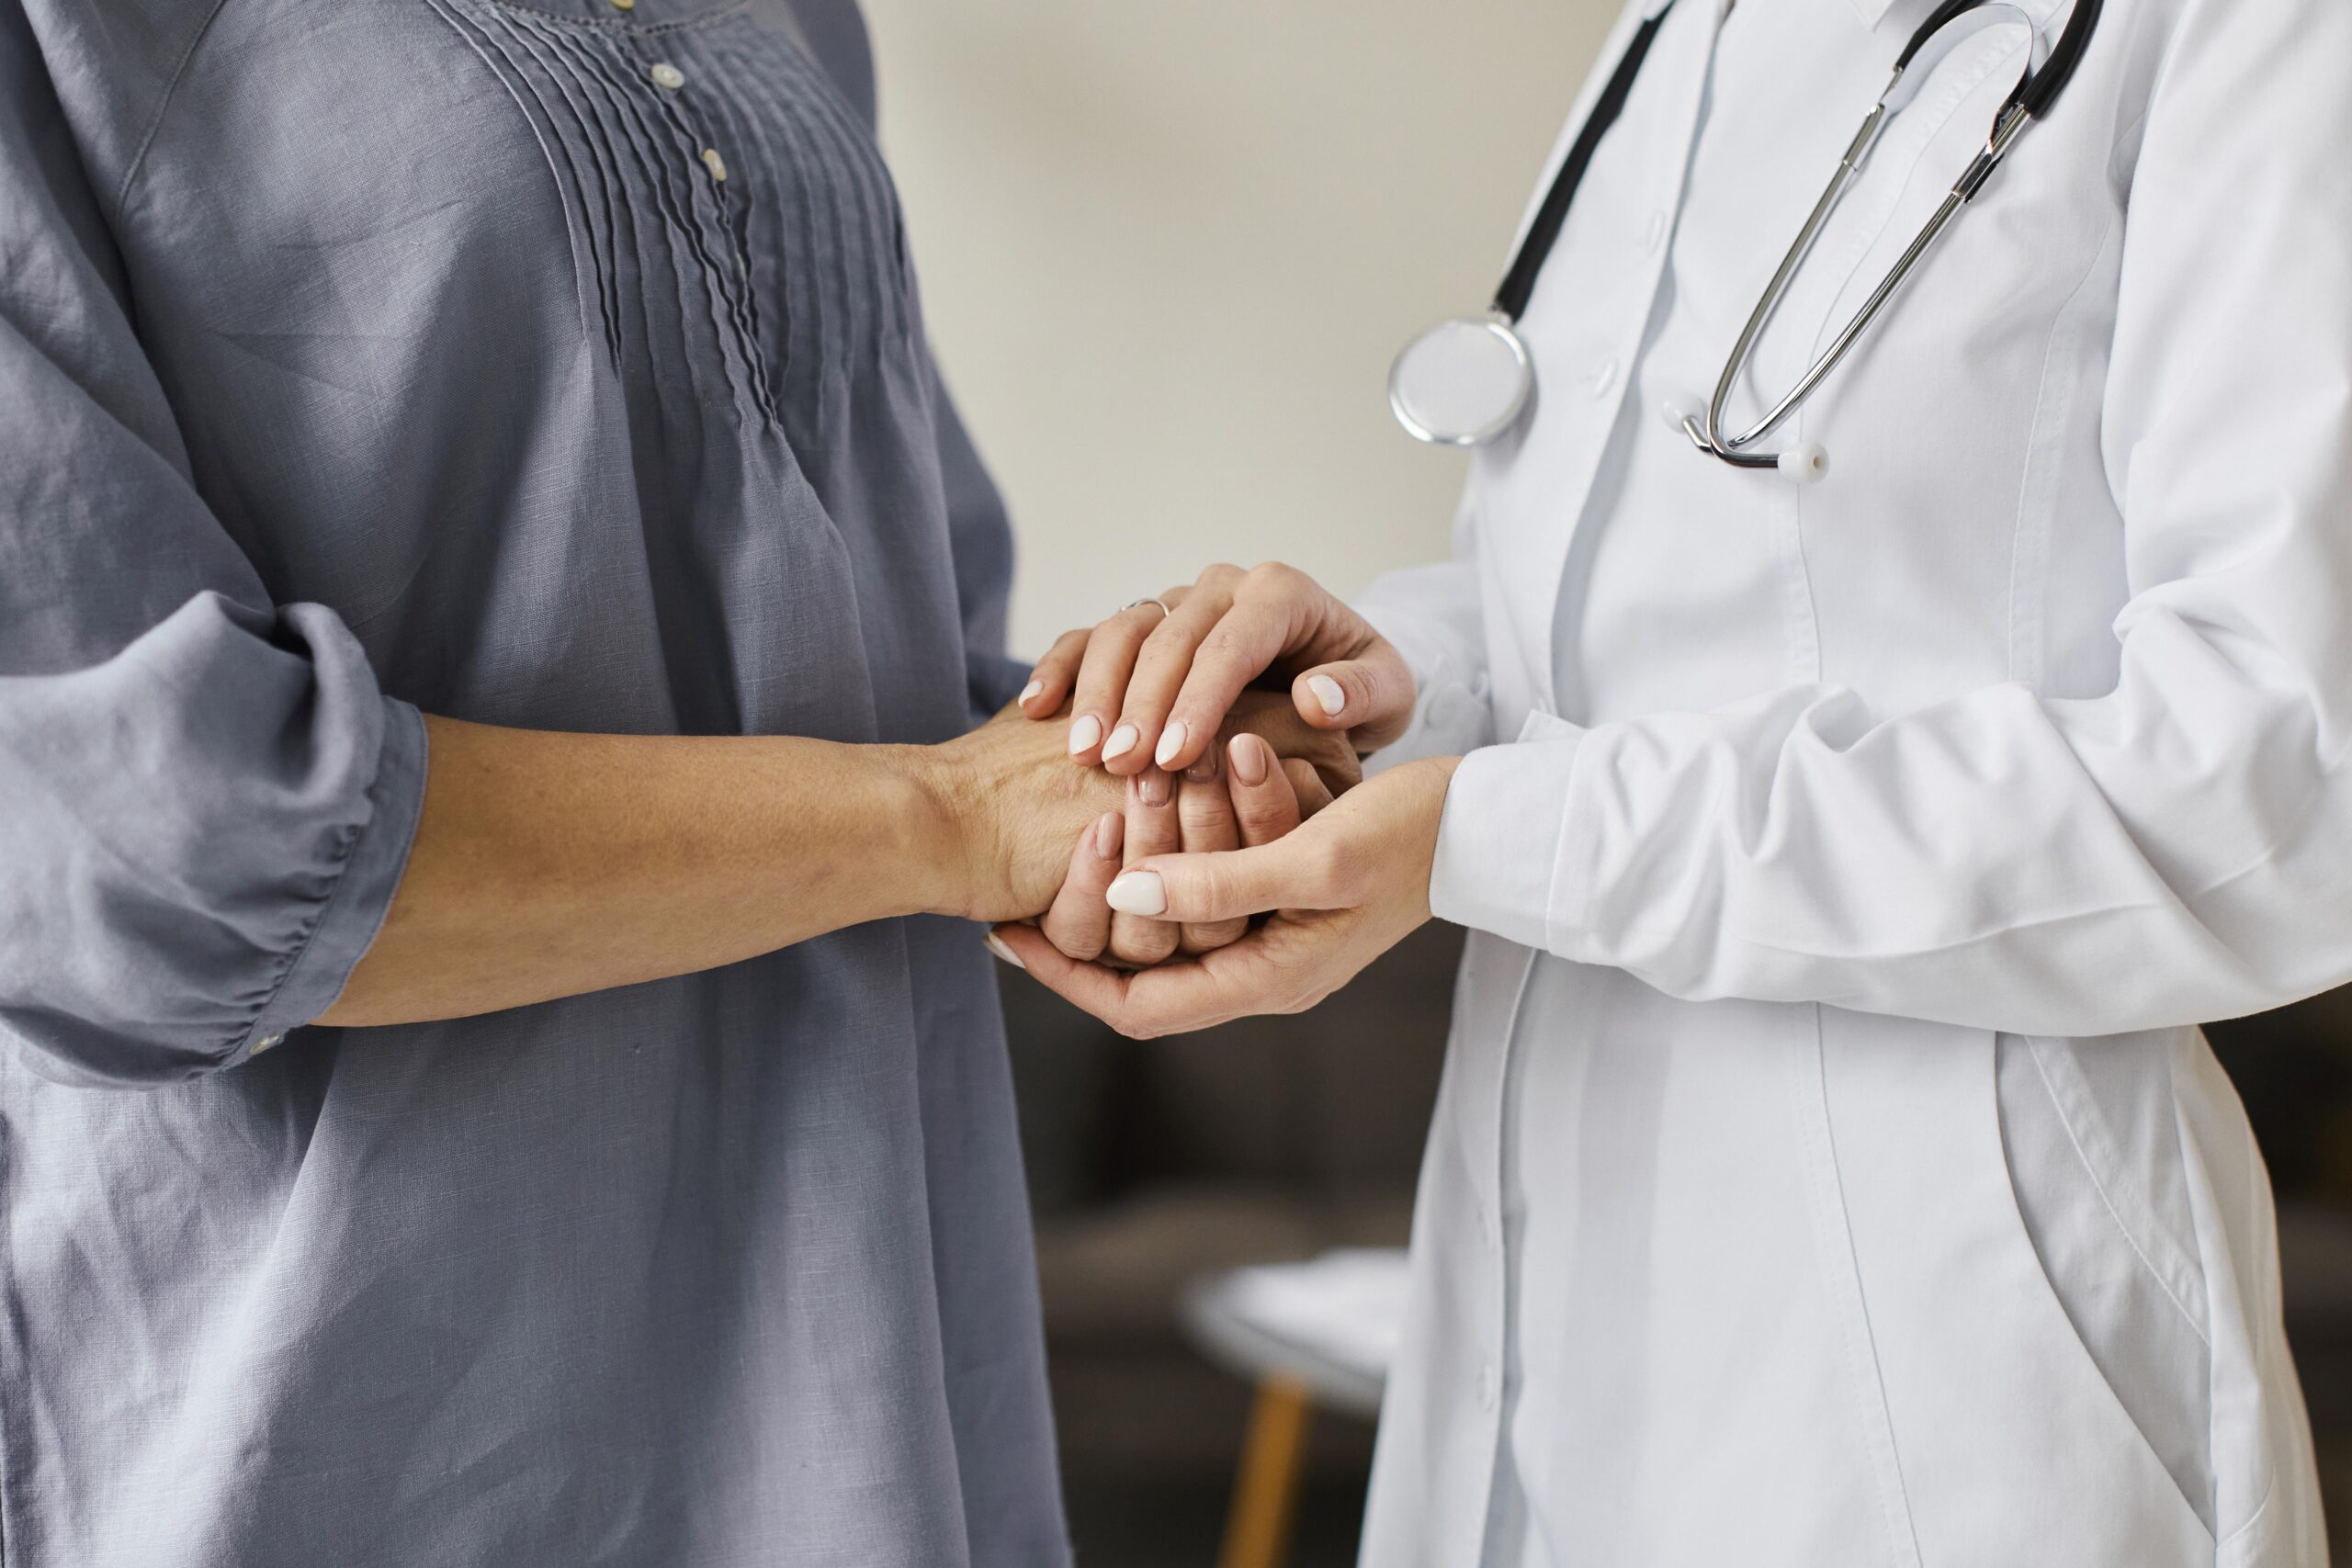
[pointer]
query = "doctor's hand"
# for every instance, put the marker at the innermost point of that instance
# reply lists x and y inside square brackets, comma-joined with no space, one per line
[1153,689]
[1344,888]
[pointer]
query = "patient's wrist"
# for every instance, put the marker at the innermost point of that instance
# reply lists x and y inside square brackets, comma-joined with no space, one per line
[932,798]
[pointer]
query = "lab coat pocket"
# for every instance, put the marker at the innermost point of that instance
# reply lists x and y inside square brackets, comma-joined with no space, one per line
[2014,1446]
[2097,1169]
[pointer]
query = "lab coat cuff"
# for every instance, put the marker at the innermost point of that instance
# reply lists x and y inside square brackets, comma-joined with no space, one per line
[1449,707]
[362,895]
[1503,838]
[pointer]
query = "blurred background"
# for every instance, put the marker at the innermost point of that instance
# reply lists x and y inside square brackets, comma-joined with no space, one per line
[1167,252]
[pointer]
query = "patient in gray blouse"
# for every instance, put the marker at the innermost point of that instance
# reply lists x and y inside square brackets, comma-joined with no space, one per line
[570,1127]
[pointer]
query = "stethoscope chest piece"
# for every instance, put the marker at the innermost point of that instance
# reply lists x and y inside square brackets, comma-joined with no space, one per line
[1462,383]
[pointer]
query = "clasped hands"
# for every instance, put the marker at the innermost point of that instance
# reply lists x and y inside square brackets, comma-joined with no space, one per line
[1236,711]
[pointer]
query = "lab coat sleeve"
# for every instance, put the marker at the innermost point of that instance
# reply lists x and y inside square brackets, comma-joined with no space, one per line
[205,802]
[1431,616]
[2169,853]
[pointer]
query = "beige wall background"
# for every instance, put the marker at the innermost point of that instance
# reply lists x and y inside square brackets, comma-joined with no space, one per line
[1168,249]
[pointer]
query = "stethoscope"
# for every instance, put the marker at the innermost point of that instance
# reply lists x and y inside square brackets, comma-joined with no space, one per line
[1468,382]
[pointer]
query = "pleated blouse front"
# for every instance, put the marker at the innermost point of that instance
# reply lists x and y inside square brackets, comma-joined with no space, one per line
[554,365]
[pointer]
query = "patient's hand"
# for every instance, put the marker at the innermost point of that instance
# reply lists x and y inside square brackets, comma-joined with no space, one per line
[1239,795]
[1340,891]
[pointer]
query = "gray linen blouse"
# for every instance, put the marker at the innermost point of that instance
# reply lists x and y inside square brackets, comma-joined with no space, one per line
[543,363]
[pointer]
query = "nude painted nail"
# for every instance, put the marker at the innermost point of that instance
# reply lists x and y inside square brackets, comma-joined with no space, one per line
[1123,740]
[1172,740]
[1205,769]
[1328,695]
[995,944]
[1250,756]
[1084,733]
[1156,787]
[1138,893]
[1110,832]
[1029,691]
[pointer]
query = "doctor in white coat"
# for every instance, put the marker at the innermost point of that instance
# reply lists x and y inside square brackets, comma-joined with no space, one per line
[1830,1169]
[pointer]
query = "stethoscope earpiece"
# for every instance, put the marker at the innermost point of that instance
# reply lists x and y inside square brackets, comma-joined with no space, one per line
[1807,464]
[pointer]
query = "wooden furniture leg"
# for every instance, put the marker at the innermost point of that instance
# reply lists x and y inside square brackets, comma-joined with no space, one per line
[1265,1491]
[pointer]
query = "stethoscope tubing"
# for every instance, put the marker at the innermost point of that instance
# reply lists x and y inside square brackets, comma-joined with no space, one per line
[2037,91]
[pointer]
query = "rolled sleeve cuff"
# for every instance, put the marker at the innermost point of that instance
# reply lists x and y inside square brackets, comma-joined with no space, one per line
[1503,842]
[355,907]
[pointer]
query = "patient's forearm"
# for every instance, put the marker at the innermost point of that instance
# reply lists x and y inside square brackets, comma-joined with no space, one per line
[549,864]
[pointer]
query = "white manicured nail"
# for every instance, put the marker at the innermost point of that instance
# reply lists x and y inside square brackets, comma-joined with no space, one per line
[1138,893]
[1031,690]
[1172,740]
[1328,695]
[1084,733]
[1123,740]
[996,945]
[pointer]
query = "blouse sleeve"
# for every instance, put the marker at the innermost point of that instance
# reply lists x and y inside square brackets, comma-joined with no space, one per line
[980,537]
[205,801]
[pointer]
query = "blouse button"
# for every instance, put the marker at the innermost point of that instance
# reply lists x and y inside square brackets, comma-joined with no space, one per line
[265,1043]
[624,5]
[668,76]
[714,162]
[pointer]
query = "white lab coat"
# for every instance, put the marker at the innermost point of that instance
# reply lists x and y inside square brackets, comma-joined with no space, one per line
[1829,1170]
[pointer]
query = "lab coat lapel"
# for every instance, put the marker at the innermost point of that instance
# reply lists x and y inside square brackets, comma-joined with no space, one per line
[1680,57]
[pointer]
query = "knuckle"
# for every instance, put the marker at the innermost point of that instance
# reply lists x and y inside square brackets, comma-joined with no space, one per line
[1277,576]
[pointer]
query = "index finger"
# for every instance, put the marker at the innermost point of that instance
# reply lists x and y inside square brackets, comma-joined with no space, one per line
[1242,646]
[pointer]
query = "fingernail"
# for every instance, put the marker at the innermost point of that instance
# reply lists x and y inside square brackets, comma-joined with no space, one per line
[1156,787]
[1031,690]
[1123,740]
[1203,770]
[1328,695]
[1138,893]
[1084,733]
[996,945]
[1249,758]
[1172,740]
[1110,832]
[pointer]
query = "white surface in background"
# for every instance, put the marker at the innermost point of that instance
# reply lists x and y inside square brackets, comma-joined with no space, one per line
[1347,1305]
[1169,251]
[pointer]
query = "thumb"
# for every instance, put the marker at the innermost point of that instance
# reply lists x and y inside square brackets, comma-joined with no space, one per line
[1370,694]
[1293,872]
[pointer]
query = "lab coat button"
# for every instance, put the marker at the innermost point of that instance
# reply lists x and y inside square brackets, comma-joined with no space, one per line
[1604,377]
[1488,1386]
[1655,235]
[668,76]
